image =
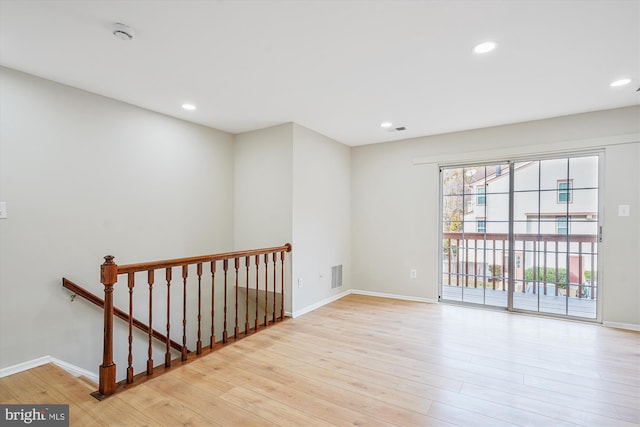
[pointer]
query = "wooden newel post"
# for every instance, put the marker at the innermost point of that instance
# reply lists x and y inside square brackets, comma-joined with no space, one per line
[108,277]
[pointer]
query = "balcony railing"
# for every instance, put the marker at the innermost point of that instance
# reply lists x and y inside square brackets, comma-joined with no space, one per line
[558,264]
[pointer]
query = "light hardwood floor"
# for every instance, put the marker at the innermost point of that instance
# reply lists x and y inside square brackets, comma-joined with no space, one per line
[379,362]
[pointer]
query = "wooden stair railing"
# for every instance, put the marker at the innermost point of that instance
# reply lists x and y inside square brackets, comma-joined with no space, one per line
[109,272]
[82,292]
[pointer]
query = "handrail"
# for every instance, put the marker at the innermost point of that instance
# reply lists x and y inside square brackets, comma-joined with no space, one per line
[155,265]
[527,237]
[79,290]
[196,274]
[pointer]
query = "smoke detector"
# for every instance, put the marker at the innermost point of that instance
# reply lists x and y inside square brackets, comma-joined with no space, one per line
[122,31]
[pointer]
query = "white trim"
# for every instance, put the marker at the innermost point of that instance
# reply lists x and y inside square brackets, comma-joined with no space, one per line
[24,366]
[515,153]
[76,371]
[619,325]
[320,304]
[359,292]
[394,296]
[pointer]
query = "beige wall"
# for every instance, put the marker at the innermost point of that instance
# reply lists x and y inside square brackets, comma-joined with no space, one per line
[395,200]
[85,176]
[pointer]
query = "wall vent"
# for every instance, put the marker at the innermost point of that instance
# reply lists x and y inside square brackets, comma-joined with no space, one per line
[396,129]
[336,276]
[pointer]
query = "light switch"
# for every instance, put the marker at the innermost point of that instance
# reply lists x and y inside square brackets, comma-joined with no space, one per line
[3,210]
[624,210]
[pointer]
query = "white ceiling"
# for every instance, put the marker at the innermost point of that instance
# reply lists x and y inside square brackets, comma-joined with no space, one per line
[337,67]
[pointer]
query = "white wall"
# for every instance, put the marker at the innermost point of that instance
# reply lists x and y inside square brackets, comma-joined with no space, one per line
[395,202]
[85,176]
[321,216]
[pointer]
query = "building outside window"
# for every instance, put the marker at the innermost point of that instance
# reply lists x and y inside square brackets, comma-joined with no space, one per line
[562,225]
[565,191]
[481,198]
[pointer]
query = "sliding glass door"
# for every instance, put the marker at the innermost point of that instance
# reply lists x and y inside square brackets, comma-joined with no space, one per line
[475,218]
[522,235]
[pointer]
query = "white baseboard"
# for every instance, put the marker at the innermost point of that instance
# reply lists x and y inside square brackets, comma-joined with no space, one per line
[320,304]
[76,371]
[359,292]
[24,366]
[394,296]
[619,325]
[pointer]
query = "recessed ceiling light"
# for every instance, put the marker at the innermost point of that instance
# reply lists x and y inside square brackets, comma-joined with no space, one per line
[620,82]
[485,47]
[386,125]
[189,107]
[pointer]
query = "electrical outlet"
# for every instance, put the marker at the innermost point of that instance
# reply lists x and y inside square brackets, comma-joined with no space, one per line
[623,210]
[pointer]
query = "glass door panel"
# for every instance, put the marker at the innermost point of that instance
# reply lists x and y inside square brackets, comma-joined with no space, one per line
[559,244]
[553,248]
[475,221]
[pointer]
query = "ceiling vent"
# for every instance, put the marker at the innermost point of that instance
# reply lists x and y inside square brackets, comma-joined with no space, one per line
[397,129]
[122,31]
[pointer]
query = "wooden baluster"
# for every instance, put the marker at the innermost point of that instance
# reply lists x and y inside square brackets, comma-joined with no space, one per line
[580,272]
[225,267]
[475,263]
[457,262]
[449,252]
[257,259]
[130,283]
[593,275]
[466,262]
[150,349]
[557,269]
[504,264]
[108,277]
[493,272]
[544,267]
[167,355]
[275,259]
[212,340]
[185,273]
[282,285]
[236,329]
[247,261]
[535,268]
[199,343]
[266,290]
